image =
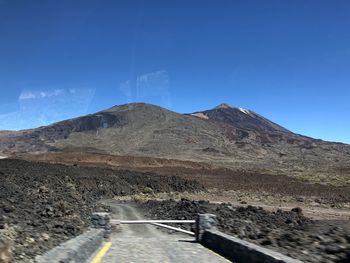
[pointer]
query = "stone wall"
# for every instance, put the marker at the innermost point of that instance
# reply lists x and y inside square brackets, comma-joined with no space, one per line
[77,250]
[233,248]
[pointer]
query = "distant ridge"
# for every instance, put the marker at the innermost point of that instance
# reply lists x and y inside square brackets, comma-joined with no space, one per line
[224,136]
[240,118]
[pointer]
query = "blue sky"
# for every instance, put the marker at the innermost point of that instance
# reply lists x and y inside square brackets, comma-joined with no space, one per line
[286,60]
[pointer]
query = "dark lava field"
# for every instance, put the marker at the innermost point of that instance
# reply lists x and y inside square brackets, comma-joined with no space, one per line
[42,205]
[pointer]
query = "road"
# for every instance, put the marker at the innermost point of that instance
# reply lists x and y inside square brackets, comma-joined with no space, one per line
[146,243]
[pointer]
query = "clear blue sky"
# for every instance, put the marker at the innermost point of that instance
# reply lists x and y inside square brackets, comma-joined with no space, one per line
[287,60]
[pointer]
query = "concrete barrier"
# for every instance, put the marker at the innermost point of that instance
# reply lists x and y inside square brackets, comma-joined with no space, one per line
[77,250]
[233,248]
[241,251]
[80,249]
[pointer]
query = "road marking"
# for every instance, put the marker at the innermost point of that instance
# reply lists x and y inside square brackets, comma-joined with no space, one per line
[220,256]
[101,253]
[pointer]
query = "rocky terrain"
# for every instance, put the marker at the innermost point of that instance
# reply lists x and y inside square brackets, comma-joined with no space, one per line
[225,136]
[221,179]
[288,232]
[41,205]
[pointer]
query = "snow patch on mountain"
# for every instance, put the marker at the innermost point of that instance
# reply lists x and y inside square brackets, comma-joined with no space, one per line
[200,115]
[244,111]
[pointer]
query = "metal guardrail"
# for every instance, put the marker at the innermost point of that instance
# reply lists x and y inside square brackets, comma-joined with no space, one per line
[159,223]
[114,221]
[175,229]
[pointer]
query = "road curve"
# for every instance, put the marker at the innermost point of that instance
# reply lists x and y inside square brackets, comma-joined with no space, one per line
[145,243]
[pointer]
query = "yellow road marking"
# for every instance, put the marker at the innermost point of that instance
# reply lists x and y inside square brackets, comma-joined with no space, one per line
[220,256]
[101,253]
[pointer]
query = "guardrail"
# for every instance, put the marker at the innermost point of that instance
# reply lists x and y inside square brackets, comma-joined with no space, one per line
[175,229]
[114,221]
[159,223]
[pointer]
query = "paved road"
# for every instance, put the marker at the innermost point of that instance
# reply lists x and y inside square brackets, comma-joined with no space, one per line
[145,243]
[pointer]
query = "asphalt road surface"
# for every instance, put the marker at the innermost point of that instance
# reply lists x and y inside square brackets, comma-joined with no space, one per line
[146,243]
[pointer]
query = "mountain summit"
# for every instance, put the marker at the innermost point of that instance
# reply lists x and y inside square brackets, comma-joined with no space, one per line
[223,106]
[240,118]
[224,136]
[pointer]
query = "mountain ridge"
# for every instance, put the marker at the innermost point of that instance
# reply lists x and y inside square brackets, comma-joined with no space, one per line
[224,136]
[242,117]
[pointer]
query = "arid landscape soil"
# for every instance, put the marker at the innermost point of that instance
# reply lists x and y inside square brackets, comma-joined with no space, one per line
[41,205]
[288,232]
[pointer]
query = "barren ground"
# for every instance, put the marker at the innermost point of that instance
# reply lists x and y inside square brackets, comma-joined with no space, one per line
[43,204]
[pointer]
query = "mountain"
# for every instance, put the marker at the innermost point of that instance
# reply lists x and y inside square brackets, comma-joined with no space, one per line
[225,136]
[240,118]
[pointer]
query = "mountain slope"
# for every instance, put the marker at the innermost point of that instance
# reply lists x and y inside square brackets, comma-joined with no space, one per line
[240,118]
[224,136]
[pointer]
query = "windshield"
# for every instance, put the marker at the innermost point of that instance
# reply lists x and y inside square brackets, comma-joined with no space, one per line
[172,110]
